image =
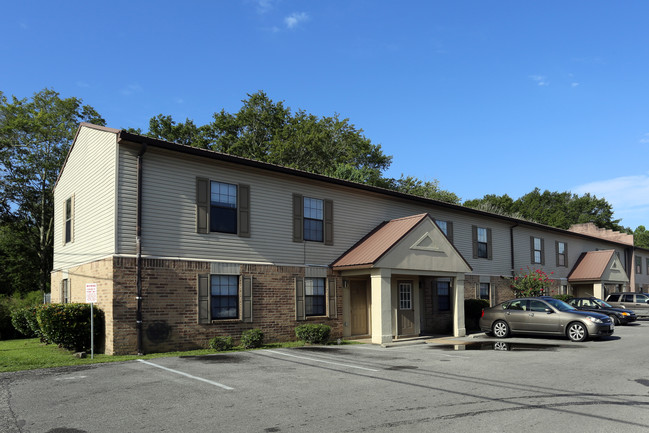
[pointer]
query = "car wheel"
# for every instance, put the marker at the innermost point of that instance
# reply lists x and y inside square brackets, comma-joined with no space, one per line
[615,320]
[577,332]
[500,329]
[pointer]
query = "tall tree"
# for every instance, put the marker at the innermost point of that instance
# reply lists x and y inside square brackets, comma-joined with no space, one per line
[641,237]
[35,135]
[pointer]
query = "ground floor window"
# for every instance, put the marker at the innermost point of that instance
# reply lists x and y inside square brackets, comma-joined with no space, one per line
[225,296]
[314,296]
[443,295]
[65,291]
[484,291]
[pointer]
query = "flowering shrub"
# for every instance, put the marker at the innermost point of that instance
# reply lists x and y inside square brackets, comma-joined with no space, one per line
[531,283]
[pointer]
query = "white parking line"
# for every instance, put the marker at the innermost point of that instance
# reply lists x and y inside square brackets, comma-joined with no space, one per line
[220,385]
[317,360]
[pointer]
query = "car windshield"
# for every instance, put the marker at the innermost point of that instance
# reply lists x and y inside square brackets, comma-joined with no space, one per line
[602,303]
[559,305]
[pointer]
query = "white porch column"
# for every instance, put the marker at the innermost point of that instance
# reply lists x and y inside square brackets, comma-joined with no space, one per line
[459,328]
[381,306]
[598,290]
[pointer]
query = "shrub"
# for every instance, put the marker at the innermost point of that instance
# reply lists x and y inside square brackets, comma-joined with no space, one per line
[221,343]
[313,333]
[252,339]
[531,283]
[20,321]
[68,325]
[564,298]
[31,317]
[9,304]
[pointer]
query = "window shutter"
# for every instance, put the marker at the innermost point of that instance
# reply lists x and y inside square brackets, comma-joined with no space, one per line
[565,253]
[247,299]
[556,250]
[298,221]
[299,299]
[474,238]
[531,249]
[542,251]
[489,245]
[244,210]
[328,222]
[72,218]
[449,230]
[203,298]
[202,205]
[333,309]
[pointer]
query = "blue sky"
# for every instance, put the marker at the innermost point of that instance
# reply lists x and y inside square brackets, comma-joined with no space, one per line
[487,97]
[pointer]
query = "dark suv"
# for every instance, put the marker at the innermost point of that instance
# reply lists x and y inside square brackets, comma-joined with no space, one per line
[638,302]
[617,315]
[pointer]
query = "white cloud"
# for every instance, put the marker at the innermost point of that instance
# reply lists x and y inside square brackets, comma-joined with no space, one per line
[628,195]
[645,139]
[264,6]
[295,19]
[540,80]
[130,89]
[574,84]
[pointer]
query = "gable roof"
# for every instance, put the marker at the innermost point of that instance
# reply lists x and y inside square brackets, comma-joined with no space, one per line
[591,265]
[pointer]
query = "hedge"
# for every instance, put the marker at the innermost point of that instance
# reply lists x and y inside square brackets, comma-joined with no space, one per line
[68,325]
[313,333]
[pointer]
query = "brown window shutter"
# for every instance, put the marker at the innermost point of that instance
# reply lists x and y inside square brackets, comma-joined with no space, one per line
[203,299]
[333,309]
[298,221]
[556,250]
[565,253]
[474,238]
[531,249]
[247,299]
[328,222]
[489,245]
[300,313]
[202,205]
[244,210]
[542,251]
[449,230]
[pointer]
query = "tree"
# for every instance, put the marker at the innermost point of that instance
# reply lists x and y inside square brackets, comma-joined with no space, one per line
[269,131]
[35,135]
[641,237]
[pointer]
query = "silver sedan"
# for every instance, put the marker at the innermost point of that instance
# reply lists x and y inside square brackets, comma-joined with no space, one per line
[544,315]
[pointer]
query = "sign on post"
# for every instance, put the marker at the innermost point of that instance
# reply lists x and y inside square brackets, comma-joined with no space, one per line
[91,298]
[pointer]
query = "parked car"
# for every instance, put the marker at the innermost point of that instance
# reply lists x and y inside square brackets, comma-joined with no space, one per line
[617,315]
[638,302]
[544,315]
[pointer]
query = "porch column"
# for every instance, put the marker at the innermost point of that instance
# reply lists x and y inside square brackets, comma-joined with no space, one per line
[381,306]
[459,328]
[598,290]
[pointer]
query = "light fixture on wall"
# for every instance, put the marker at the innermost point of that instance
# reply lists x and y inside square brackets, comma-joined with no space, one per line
[345,283]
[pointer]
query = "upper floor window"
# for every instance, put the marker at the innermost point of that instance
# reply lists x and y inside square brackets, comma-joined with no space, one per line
[313,219]
[223,207]
[446,227]
[638,264]
[538,255]
[314,296]
[69,220]
[481,243]
[562,254]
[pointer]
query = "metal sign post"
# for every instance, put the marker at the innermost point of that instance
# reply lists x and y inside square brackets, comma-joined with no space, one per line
[91,297]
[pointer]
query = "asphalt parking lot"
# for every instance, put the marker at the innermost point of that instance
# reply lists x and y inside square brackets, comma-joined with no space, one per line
[469,384]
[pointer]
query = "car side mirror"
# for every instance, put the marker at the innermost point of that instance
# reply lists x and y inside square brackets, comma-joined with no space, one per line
[549,311]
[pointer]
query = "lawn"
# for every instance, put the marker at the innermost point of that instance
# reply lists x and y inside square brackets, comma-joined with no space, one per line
[29,354]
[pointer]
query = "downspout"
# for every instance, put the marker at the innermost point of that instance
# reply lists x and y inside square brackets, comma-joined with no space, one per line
[138,251]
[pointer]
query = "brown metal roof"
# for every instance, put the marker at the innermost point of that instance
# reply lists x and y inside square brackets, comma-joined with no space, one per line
[370,249]
[591,265]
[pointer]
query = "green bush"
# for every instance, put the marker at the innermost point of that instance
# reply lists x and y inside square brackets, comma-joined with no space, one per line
[9,304]
[313,333]
[564,298]
[20,322]
[68,325]
[221,343]
[31,317]
[252,339]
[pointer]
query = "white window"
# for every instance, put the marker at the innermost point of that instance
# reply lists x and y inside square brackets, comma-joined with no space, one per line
[405,295]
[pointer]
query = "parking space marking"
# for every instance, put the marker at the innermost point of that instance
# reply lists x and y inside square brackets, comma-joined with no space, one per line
[220,385]
[320,360]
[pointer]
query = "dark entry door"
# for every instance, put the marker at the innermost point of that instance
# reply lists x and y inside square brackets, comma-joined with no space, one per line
[358,301]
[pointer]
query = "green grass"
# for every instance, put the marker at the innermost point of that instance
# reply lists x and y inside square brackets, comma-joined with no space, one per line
[30,354]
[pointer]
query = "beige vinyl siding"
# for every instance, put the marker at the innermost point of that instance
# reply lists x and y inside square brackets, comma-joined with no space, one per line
[169,226]
[576,246]
[89,176]
[127,199]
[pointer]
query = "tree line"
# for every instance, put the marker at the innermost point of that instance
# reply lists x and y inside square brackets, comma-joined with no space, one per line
[36,134]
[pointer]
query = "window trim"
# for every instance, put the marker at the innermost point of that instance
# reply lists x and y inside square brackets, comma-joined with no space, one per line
[65,291]
[488,298]
[68,221]
[322,313]
[534,251]
[298,220]
[559,254]
[448,307]
[203,207]
[405,293]
[638,265]
[244,302]
[476,244]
